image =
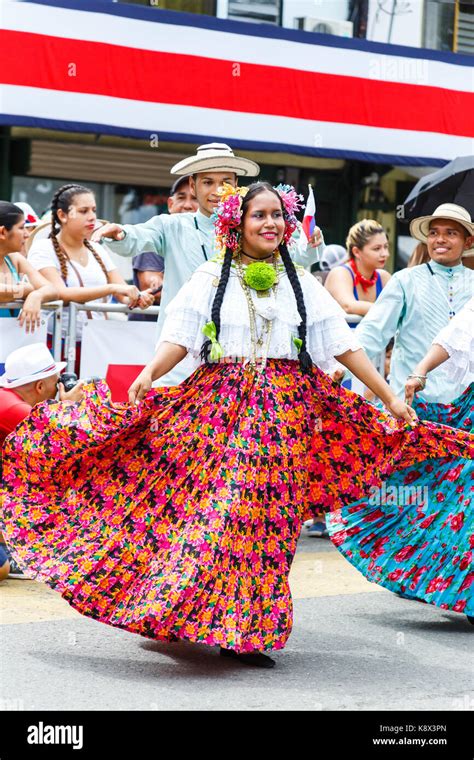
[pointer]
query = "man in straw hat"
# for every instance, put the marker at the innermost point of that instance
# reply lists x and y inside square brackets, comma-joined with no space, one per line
[31,375]
[418,302]
[187,240]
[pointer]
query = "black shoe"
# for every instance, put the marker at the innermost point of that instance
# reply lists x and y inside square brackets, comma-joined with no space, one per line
[471,619]
[256,659]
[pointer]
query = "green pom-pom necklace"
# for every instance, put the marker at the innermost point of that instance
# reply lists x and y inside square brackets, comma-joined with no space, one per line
[260,276]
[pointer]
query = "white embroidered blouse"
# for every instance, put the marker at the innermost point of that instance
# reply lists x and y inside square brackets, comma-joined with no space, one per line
[328,334]
[457,339]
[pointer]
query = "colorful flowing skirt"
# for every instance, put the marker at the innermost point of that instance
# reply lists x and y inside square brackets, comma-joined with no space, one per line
[458,413]
[415,535]
[178,519]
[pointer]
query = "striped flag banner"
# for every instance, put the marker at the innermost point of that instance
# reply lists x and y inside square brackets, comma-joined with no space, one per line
[129,70]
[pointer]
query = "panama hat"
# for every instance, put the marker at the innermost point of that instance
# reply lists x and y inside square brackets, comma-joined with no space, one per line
[28,364]
[419,228]
[216,157]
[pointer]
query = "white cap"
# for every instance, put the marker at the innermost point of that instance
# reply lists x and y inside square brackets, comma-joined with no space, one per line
[28,364]
[31,217]
[332,256]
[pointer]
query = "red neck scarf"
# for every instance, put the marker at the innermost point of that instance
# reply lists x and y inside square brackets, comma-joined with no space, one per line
[359,278]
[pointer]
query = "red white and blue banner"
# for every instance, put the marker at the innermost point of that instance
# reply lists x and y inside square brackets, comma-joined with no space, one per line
[94,66]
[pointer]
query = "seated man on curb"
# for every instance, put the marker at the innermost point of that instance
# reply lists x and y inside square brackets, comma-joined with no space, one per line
[31,375]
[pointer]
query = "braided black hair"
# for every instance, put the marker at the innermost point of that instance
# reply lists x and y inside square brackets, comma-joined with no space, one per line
[217,303]
[304,357]
[9,215]
[62,200]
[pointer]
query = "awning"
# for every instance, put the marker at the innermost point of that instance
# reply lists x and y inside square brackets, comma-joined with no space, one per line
[86,66]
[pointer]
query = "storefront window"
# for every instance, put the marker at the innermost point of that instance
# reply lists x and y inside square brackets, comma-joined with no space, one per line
[38,191]
[438,32]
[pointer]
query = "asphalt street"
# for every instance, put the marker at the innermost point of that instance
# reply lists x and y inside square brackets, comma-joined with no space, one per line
[354,646]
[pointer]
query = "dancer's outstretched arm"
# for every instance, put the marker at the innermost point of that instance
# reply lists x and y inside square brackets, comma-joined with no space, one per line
[360,365]
[435,356]
[167,356]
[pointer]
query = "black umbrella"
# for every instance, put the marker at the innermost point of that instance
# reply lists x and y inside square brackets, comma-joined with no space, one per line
[454,183]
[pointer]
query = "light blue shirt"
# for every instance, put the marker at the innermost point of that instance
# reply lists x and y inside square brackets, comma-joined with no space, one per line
[414,306]
[185,241]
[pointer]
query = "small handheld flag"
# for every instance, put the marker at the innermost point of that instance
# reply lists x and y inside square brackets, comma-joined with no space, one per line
[309,222]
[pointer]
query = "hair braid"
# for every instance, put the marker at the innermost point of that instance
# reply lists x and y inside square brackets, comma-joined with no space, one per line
[217,303]
[98,258]
[304,358]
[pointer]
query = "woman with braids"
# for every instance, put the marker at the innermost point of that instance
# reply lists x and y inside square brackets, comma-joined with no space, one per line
[18,279]
[79,269]
[176,516]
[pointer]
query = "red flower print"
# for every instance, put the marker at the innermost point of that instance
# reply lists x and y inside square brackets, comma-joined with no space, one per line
[405,553]
[454,473]
[466,561]
[395,574]
[467,582]
[426,523]
[460,605]
[457,521]
[375,515]
[412,476]
[433,585]
[440,496]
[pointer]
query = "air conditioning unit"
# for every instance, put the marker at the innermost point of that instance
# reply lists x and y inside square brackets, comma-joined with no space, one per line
[325,26]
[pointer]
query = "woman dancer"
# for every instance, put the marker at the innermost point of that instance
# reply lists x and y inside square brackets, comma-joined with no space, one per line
[177,516]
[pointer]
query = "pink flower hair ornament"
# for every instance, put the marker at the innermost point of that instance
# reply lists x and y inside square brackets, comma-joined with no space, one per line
[292,202]
[228,214]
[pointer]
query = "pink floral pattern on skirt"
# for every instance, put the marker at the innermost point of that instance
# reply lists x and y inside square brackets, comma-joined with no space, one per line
[179,518]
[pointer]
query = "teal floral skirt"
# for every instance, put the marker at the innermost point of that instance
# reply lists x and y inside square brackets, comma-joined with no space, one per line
[415,534]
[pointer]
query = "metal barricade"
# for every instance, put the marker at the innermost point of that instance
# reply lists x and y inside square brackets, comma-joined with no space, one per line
[74,308]
[55,306]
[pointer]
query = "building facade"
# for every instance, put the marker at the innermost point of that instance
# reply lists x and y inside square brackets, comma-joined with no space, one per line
[347,81]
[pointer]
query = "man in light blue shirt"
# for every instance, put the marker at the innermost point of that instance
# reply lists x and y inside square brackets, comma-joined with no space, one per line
[186,241]
[419,301]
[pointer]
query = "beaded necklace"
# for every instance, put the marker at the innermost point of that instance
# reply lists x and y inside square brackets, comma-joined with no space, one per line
[262,341]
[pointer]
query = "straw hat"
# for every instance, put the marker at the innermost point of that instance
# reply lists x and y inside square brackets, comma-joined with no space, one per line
[216,157]
[28,364]
[419,228]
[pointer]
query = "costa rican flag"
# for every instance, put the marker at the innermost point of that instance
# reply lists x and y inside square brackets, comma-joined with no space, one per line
[309,221]
[92,66]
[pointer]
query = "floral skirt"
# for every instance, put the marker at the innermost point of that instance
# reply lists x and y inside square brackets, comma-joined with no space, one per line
[178,519]
[415,535]
[459,413]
